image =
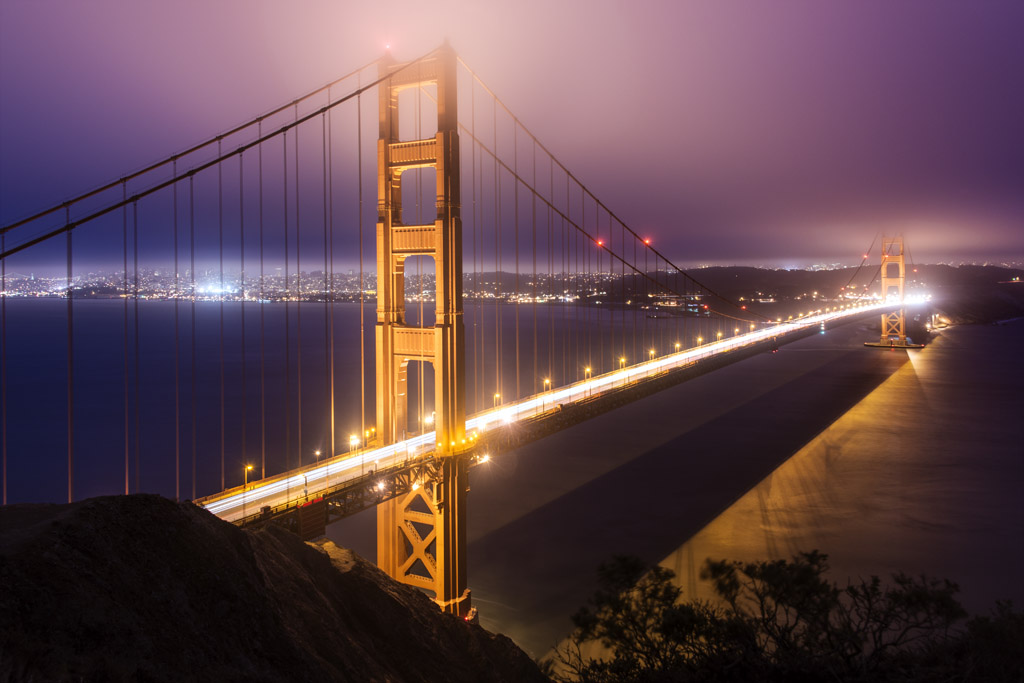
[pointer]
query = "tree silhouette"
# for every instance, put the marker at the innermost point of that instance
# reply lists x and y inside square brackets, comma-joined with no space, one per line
[784,620]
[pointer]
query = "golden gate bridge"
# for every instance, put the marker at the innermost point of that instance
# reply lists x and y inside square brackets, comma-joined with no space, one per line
[509,302]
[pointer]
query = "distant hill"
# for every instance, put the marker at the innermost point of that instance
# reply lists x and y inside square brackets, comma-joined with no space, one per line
[964,294]
[141,588]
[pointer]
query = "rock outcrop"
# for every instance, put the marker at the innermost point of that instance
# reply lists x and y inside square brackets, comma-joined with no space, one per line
[142,588]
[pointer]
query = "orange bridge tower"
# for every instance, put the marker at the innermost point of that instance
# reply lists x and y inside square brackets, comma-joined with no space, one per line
[421,536]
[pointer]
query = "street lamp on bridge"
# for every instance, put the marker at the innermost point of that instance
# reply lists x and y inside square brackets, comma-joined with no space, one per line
[245,485]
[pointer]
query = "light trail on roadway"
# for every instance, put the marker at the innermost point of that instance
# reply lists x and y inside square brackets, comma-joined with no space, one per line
[310,481]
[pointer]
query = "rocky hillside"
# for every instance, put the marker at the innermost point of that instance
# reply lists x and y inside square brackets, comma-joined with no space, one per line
[144,589]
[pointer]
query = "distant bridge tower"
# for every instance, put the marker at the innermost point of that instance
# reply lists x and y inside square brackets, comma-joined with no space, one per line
[894,323]
[421,536]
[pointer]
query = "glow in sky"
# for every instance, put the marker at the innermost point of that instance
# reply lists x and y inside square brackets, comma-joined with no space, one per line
[767,132]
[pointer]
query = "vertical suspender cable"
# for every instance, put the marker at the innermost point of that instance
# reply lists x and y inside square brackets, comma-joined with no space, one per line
[220,228]
[622,248]
[287,318]
[329,285]
[476,274]
[362,288]
[575,268]
[570,376]
[263,340]
[71,368]
[497,259]
[135,306]
[298,292]
[478,228]
[611,310]
[192,283]
[606,244]
[241,287]
[586,275]
[571,256]
[177,396]
[566,327]
[579,259]
[646,299]
[636,305]
[515,217]
[588,248]
[533,228]
[564,273]
[551,270]
[124,235]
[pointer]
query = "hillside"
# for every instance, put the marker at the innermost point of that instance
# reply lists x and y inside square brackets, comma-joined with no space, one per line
[142,588]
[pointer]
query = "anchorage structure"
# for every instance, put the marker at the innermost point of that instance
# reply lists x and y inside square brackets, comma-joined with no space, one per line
[421,535]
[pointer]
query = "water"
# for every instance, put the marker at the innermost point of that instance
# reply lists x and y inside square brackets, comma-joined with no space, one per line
[274,416]
[923,476]
[884,460]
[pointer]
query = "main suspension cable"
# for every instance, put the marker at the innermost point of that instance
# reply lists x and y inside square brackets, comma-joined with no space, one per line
[583,187]
[191,150]
[221,156]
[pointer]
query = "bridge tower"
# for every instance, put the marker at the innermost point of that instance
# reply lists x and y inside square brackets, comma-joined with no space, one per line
[893,322]
[421,536]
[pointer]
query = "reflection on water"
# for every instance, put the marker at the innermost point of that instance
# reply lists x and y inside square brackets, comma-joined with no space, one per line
[923,475]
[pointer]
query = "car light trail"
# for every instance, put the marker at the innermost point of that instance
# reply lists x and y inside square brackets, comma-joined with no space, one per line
[295,486]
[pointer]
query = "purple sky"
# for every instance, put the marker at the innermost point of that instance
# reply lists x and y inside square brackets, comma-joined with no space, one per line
[781,133]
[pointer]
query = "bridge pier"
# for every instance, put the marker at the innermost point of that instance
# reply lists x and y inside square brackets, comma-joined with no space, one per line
[421,536]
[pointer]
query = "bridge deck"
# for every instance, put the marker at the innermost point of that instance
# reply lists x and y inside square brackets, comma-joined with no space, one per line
[368,476]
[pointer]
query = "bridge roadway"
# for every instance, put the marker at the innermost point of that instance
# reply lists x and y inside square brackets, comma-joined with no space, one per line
[291,489]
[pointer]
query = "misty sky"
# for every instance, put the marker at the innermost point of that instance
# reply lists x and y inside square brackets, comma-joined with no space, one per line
[781,133]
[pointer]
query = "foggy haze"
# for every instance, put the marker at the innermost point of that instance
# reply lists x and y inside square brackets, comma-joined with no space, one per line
[775,134]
